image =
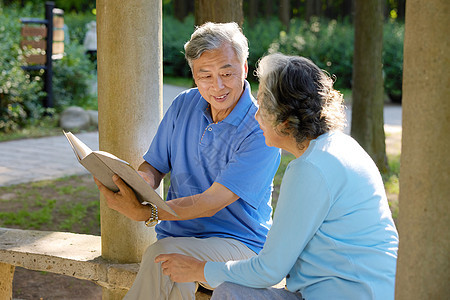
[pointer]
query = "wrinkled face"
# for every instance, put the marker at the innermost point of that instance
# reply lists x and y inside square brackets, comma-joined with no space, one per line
[220,76]
[266,123]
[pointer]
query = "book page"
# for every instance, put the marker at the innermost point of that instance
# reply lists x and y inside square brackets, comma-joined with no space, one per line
[100,171]
[144,192]
[103,165]
[81,149]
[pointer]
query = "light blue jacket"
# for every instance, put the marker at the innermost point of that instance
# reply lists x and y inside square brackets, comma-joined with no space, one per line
[333,236]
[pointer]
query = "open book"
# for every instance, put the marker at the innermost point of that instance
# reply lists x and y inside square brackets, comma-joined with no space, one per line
[103,165]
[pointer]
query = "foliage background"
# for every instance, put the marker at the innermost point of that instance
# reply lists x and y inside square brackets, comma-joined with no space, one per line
[21,92]
[326,40]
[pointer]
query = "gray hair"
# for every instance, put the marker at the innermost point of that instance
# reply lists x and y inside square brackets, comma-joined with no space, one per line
[211,36]
[295,91]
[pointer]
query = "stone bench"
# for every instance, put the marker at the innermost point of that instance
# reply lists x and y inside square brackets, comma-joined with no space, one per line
[71,254]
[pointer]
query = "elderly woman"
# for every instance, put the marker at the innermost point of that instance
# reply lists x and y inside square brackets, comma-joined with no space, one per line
[333,235]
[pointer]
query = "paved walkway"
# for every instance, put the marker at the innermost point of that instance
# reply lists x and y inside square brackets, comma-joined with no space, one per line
[52,157]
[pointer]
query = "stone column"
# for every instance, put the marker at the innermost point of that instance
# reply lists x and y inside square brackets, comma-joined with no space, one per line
[6,279]
[129,35]
[423,267]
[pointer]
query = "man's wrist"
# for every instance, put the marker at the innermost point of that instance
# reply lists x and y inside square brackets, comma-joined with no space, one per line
[152,220]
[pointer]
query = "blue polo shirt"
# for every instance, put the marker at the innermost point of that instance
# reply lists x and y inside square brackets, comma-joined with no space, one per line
[233,152]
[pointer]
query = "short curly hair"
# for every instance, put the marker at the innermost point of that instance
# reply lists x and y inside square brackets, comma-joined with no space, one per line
[299,94]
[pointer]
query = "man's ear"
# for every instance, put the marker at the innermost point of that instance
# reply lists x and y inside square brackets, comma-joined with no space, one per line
[246,69]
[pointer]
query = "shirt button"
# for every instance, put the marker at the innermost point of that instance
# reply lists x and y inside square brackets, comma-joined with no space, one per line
[209,129]
[288,275]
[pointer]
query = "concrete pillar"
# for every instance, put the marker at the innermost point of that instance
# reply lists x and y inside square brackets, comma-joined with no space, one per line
[423,267]
[6,280]
[109,294]
[129,37]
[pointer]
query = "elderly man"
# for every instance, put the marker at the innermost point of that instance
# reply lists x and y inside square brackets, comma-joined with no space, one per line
[221,169]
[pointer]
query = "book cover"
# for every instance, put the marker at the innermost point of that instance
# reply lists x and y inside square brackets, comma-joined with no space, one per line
[103,165]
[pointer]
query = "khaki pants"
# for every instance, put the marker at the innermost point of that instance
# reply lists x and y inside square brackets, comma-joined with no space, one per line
[151,284]
[231,291]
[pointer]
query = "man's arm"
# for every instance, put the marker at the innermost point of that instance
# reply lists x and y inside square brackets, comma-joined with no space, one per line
[201,205]
[206,204]
[150,174]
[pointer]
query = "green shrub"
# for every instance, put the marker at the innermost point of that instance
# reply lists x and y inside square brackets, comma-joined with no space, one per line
[328,44]
[20,93]
[72,79]
[74,5]
[393,59]
[260,36]
[175,35]
[76,24]
[75,72]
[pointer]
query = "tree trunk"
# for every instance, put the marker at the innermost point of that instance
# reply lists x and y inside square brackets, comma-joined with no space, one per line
[424,252]
[318,8]
[269,9]
[367,109]
[313,8]
[308,9]
[386,9]
[347,9]
[219,11]
[329,9]
[296,10]
[252,11]
[401,9]
[180,9]
[285,13]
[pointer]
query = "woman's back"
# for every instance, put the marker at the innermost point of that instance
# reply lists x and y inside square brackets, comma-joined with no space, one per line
[350,240]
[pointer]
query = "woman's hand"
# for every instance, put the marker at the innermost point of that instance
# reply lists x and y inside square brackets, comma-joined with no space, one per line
[182,268]
[124,201]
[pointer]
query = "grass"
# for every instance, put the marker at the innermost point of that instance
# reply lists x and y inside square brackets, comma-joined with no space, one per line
[391,184]
[285,160]
[67,204]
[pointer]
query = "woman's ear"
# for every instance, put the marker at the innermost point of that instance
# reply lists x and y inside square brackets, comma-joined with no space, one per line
[284,125]
[283,129]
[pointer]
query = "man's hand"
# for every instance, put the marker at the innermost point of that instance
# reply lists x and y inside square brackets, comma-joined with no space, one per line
[182,268]
[124,201]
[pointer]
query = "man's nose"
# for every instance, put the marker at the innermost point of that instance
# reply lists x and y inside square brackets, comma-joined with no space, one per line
[218,83]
